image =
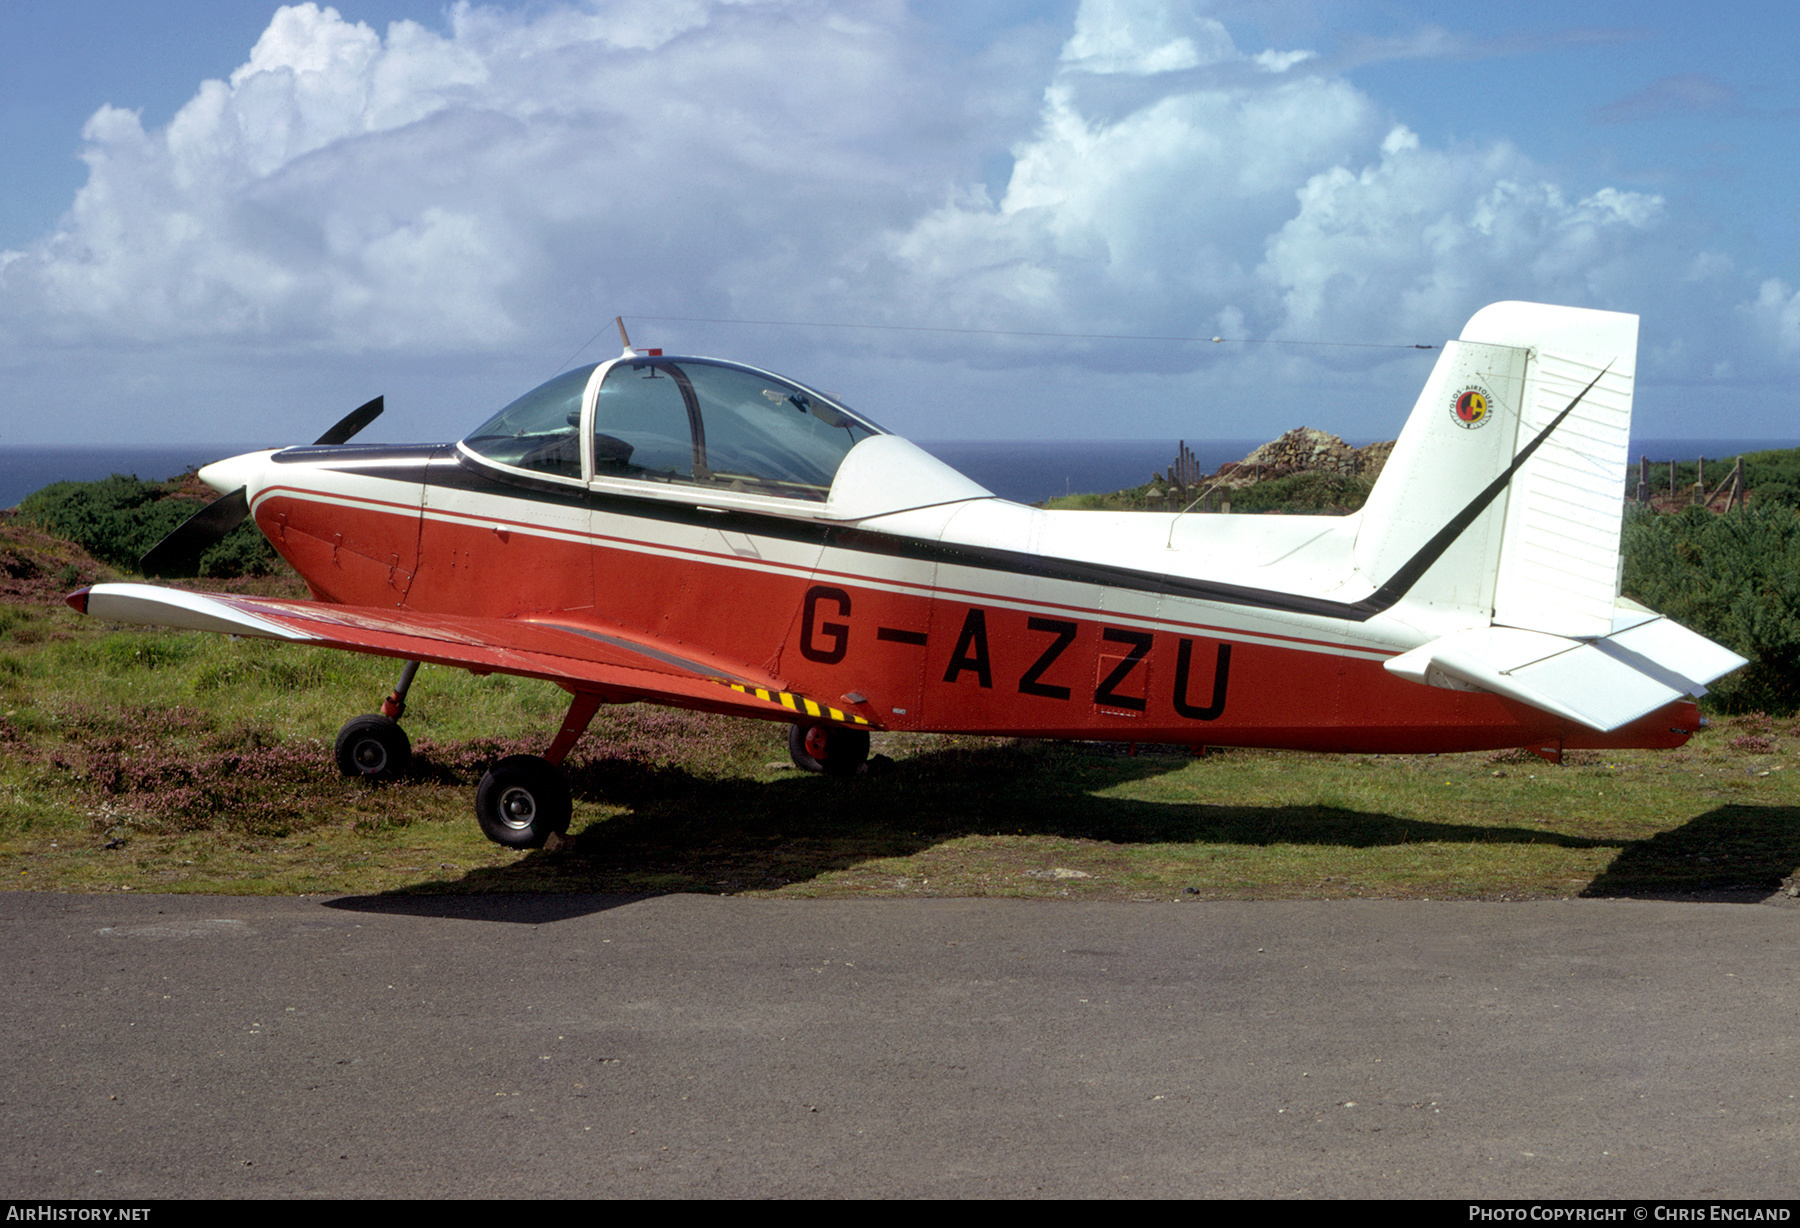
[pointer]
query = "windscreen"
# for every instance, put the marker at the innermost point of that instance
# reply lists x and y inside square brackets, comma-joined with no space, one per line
[541,430]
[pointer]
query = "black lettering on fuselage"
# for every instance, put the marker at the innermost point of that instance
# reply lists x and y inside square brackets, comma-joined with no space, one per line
[1140,642]
[1221,674]
[1065,635]
[971,651]
[837,635]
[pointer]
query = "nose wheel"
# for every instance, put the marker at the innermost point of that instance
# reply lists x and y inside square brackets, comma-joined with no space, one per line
[372,747]
[521,801]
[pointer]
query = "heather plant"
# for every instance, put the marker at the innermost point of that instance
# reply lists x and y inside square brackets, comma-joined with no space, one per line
[12,617]
[170,769]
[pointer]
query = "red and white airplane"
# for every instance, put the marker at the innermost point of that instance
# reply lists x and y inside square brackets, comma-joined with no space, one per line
[704,534]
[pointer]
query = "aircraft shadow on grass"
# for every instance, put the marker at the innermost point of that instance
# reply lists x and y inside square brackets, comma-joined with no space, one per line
[1744,852]
[685,834]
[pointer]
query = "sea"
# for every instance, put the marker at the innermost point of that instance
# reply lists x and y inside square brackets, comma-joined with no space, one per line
[1024,471]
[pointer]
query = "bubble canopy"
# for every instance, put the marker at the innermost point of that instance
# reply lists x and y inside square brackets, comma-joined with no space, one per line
[680,421]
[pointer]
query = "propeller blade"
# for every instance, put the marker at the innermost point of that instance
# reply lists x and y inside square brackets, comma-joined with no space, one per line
[351,423]
[179,553]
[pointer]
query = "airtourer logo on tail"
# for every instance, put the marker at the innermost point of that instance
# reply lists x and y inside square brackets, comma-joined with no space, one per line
[1472,406]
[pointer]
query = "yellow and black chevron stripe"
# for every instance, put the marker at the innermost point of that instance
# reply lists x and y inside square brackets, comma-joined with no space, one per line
[801,705]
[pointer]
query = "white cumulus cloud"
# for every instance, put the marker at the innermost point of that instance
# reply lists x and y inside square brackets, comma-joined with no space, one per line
[440,191]
[500,185]
[1420,236]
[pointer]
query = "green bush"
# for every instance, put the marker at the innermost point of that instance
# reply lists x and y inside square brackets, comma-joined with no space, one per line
[1779,494]
[1778,466]
[1733,578]
[1303,494]
[242,552]
[119,518]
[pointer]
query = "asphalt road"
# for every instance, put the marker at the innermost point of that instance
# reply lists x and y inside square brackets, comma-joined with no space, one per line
[201,1046]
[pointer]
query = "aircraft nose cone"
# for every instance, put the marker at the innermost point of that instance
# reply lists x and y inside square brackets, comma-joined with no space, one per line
[229,474]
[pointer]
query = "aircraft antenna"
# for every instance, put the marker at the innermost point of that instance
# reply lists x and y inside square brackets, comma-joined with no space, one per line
[1216,483]
[620,321]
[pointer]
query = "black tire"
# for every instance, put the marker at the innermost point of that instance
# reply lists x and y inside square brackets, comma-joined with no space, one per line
[843,752]
[522,799]
[372,747]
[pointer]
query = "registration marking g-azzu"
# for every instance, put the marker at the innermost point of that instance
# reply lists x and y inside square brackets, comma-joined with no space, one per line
[831,640]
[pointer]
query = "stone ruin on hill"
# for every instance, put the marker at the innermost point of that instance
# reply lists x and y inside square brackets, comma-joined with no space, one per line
[1302,450]
[1305,450]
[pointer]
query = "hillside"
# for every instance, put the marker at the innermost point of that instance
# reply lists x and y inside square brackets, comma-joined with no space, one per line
[38,568]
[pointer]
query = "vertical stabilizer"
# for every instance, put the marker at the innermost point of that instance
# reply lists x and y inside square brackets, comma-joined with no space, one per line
[1543,554]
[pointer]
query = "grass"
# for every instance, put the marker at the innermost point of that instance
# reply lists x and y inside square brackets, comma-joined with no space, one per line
[147,760]
[135,759]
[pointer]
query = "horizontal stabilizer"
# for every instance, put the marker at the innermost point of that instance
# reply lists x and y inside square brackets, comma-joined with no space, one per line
[1603,684]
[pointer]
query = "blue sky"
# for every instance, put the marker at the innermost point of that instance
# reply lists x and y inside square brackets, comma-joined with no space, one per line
[221,220]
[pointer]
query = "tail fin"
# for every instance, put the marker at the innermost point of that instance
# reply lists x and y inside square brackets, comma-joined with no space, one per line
[1521,438]
[1543,554]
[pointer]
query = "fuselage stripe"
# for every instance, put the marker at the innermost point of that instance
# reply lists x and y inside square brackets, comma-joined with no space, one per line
[901,587]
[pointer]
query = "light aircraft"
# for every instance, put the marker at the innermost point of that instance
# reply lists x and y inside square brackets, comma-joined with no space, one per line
[704,534]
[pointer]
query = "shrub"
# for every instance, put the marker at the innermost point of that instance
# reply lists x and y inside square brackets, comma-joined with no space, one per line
[119,518]
[1303,494]
[1733,578]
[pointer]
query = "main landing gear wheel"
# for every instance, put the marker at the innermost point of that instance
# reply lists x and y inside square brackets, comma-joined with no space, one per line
[521,801]
[830,749]
[372,747]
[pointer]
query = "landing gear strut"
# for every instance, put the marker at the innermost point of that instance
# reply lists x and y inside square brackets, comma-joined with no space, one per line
[830,749]
[522,800]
